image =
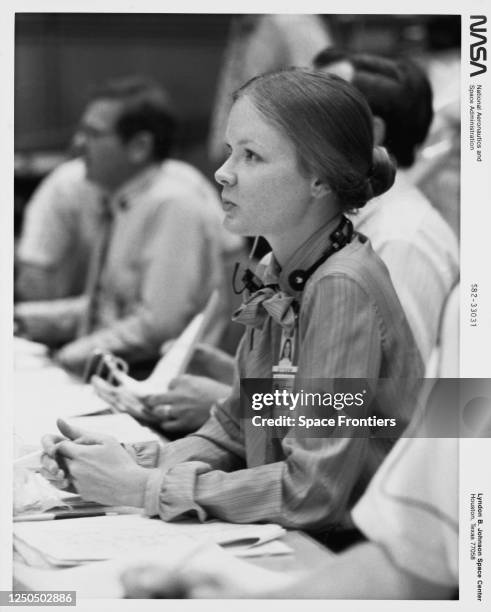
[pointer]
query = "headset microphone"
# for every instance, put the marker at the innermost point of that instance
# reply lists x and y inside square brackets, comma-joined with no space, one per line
[297,279]
[249,280]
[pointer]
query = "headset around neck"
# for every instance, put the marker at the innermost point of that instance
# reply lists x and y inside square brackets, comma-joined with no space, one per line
[340,237]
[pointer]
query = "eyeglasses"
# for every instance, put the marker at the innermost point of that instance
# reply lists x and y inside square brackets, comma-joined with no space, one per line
[89,131]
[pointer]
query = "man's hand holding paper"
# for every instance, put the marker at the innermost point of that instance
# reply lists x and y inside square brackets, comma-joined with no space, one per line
[186,405]
[121,399]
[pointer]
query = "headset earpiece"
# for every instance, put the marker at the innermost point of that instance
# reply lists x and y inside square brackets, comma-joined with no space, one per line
[297,279]
[341,236]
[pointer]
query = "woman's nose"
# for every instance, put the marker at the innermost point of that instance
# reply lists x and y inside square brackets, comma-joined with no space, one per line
[225,174]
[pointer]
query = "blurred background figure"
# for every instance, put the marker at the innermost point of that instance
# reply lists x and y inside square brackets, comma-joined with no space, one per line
[259,44]
[414,241]
[436,170]
[159,248]
[60,229]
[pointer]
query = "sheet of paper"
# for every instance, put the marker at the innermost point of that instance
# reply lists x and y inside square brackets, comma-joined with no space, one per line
[43,391]
[268,549]
[43,396]
[176,360]
[122,426]
[222,532]
[51,389]
[33,493]
[172,364]
[108,537]
[96,538]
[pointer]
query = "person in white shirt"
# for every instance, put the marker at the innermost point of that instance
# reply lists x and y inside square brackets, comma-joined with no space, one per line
[59,230]
[159,249]
[411,237]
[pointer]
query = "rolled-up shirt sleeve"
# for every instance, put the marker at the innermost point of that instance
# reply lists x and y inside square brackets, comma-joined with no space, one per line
[299,492]
[217,446]
[205,475]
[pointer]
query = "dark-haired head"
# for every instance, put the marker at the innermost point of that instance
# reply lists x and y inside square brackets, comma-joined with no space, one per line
[330,124]
[144,108]
[397,90]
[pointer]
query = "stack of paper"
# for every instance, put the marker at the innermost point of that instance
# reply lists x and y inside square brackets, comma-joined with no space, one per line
[73,541]
[44,392]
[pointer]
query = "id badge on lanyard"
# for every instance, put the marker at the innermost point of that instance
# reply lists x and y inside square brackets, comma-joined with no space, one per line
[285,370]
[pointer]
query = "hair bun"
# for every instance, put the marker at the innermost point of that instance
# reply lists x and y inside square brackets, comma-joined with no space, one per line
[382,174]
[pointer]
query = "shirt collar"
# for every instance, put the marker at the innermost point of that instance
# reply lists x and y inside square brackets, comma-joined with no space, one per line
[305,256]
[126,195]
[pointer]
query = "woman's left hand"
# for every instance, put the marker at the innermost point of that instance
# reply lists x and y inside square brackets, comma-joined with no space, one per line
[101,469]
[187,403]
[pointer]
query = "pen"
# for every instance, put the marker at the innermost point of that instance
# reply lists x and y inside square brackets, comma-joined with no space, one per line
[52,516]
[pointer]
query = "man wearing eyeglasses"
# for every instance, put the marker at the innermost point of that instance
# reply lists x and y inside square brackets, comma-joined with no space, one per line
[149,225]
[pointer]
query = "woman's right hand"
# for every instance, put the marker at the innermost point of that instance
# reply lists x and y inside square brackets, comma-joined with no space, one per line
[53,466]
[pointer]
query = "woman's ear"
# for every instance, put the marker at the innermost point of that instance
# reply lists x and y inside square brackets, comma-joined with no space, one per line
[319,189]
